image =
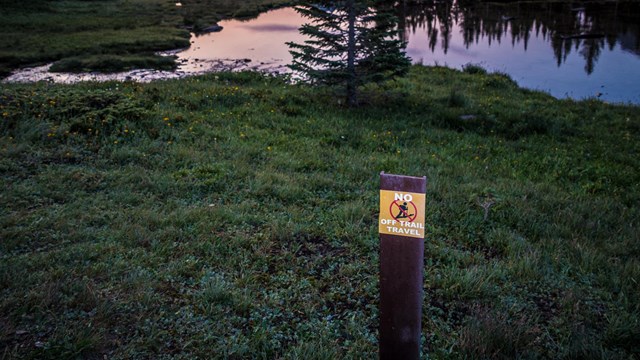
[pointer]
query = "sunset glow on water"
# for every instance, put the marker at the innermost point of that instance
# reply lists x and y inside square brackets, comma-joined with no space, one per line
[530,59]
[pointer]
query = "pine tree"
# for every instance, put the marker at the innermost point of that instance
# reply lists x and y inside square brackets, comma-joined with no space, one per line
[351,42]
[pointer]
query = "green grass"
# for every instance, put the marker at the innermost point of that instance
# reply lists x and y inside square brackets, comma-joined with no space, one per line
[113,63]
[234,216]
[40,31]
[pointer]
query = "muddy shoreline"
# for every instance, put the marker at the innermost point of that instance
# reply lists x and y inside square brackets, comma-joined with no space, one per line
[186,68]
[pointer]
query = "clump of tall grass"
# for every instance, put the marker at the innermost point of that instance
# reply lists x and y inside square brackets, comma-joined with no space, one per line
[113,63]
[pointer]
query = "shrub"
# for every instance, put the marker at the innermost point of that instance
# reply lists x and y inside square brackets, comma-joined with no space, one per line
[474,69]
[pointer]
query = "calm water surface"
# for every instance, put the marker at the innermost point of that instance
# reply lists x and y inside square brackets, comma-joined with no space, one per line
[261,40]
[577,51]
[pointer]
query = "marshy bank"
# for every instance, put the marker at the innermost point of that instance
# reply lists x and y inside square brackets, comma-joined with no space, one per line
[40,31]
[185,69]
[576,51]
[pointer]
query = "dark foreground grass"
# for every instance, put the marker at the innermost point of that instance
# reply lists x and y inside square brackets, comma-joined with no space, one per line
[40,31]
[234,216]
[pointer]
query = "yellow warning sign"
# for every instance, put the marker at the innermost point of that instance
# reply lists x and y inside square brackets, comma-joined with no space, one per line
[401,213]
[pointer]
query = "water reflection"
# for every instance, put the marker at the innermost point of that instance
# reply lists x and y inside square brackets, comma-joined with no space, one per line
[260,41]
[585,50]
[587,29]
[581,51]
[568,50]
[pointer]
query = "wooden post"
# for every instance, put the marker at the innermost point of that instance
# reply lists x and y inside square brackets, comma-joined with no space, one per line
[401,228]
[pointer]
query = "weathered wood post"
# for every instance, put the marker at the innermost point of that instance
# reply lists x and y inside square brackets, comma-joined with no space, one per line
[401,229]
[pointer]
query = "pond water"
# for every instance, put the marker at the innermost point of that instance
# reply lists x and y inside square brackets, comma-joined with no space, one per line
[575,50]
[261,42]
[591,50]
[568,49]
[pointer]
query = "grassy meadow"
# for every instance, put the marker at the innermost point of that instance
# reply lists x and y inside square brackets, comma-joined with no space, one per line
[234,216]
[107,35]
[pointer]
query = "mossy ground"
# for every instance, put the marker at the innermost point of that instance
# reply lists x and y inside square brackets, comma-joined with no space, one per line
[234,216]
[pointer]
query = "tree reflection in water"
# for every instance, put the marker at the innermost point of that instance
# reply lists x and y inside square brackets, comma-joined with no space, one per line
[586,28]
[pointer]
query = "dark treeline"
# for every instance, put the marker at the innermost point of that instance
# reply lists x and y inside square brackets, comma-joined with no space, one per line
[586,27]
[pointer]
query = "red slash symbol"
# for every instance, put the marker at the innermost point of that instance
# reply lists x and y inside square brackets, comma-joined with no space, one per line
[401,210]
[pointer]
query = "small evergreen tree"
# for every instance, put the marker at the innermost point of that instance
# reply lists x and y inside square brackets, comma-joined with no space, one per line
[351,42]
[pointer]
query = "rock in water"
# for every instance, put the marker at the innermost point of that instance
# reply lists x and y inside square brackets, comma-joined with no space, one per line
[212,28]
